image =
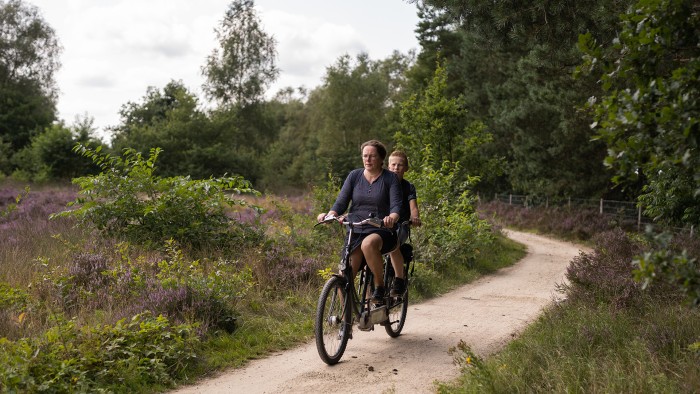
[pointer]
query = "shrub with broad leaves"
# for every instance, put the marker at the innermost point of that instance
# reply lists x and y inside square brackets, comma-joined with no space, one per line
[129,201]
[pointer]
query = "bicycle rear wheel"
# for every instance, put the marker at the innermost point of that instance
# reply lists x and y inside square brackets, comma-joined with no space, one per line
[333,323]
[397,310]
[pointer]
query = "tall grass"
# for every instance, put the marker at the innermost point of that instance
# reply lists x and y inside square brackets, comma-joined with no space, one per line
[610,335]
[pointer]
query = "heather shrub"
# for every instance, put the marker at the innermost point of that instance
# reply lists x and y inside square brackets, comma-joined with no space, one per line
[184,290]
[284,266]
[112,358]
[129,201]
[571,223]
[605,275]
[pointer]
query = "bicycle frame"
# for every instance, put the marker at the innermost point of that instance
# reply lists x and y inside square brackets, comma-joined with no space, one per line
[345,301]
[358,300]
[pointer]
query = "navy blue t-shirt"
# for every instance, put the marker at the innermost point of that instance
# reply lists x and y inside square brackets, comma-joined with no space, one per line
[409,193]
[380,198]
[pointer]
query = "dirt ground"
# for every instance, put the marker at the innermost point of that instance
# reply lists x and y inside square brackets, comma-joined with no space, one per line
[485,314]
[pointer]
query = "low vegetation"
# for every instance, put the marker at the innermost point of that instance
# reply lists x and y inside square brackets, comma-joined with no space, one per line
[110,295]
[612,334]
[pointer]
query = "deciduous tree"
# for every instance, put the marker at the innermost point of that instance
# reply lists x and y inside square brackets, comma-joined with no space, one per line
[29,51]
[241,69]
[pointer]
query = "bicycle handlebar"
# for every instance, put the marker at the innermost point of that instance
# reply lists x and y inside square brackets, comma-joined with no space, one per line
[376,222]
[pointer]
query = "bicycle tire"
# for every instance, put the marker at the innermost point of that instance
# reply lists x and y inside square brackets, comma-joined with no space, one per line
[333,323]
[397,310]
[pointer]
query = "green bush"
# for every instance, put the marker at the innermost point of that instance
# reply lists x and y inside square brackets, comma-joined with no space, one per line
[453,233]
[118,358]
[128,201]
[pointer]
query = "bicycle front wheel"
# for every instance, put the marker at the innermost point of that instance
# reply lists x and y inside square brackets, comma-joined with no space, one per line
[398,307]
[333,322]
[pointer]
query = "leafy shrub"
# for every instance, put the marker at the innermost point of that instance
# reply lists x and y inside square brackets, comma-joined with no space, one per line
[11,298]
[454,232]
[119,358]
[671,263]
[128,201]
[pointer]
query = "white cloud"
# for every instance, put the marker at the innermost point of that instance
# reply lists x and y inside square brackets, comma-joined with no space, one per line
[114,50]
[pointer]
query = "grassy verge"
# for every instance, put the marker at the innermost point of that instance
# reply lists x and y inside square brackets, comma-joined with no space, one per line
[578,348]
[610,336]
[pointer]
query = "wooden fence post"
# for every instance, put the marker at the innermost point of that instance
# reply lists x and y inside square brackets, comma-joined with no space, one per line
[601,206]
[510,199]
[692,227]
[639,217]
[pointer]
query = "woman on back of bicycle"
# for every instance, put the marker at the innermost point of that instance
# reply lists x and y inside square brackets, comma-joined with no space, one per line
[375,191]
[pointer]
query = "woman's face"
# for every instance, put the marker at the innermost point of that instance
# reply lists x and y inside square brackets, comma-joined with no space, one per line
[371,159]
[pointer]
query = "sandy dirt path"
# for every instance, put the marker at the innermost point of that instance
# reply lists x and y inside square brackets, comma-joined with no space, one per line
[485,314]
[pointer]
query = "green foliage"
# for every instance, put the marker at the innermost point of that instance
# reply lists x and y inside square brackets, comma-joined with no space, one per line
[171,119]
[663,263]
[348,110]
[127,200]
[11,298]
[649,118]
[29,53]
[511,65]
[435,120]
[453,232]
[241,69]
[144,351]
[648,114]
[50,155]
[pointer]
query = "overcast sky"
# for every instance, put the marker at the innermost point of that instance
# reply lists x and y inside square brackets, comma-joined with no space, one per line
[114,49]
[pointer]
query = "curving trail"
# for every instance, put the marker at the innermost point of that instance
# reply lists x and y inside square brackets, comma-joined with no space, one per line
[486,314]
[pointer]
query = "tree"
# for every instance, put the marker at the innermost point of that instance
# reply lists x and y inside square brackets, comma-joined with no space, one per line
[649,114]
[649,117]
[440,122]
[171,120]
[349,108]
[513,66]
[49,156]
[29,53]
[244,66]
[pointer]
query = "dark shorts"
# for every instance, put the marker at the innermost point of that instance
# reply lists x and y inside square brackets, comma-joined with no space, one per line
[389,240]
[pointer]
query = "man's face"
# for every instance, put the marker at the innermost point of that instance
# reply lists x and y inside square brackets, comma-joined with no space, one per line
[398,166]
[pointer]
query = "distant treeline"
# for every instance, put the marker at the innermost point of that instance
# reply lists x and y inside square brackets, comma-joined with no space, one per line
[596,99]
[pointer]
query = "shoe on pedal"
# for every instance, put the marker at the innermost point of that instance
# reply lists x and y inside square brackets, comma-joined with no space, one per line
[398,288]
[378,295]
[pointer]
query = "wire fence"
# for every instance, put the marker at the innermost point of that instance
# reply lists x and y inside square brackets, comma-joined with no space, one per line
[626,210]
